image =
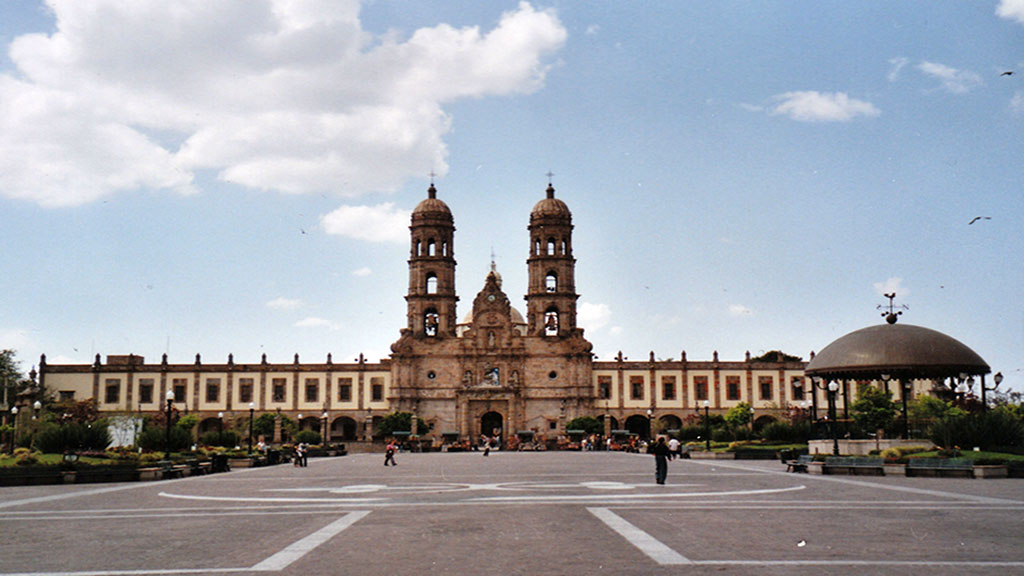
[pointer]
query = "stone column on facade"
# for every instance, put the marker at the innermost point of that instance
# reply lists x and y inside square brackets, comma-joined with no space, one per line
[277,428]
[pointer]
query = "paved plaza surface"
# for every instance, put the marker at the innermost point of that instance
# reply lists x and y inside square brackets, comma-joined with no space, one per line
[516,513]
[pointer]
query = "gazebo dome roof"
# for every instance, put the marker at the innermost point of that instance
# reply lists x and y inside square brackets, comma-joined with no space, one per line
[901,350]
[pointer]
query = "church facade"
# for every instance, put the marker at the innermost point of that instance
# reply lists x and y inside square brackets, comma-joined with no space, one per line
[494,372]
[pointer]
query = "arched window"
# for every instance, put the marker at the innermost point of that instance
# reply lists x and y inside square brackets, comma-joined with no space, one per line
[565,246]
[536,247]
[430,322]
[551,282]
[419,248]
[551,322]
[444,248]
[431,248]
[431,283]
[551,246]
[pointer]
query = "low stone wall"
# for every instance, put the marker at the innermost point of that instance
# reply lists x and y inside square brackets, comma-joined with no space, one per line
[860,447]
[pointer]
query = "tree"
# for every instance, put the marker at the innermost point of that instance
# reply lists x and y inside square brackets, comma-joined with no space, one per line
[399,422]
[588,424]
[11,379]
[739,415]
[874,409]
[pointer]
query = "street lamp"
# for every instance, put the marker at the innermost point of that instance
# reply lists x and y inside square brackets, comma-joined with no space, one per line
[36,406]
[833,387]
[220,422]
[707,426]
[252,411]
[650,425]
[167,425]
[323,420]
[14,433]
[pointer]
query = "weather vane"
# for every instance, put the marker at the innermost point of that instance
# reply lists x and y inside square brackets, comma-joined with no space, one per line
[891,315]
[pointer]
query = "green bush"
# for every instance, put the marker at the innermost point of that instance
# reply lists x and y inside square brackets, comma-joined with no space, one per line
[71,437]
[308,436]
[588,424]
[782,431]
[226,439]
[997,427]
[723,434]
[690,433]
[154,438]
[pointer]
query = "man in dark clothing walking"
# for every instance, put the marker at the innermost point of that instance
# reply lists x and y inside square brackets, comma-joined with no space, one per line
[661,453]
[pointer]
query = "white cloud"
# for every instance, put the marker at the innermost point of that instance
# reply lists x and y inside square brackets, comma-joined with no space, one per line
[1011,10]
[313,322]
[892,285]
[812,106]
[13,339]
[593,317]
[362,272]
[953,80]
[284,304]
[380,223]
[897,64]
[593,29]
[737,310]
[1017,104]
[285,95]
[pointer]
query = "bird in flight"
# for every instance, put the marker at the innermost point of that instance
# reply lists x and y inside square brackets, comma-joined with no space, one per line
[1007,73]
[976,218]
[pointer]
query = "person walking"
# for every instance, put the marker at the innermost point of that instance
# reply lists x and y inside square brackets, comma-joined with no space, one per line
[389,454]
[660,460]
[673,448]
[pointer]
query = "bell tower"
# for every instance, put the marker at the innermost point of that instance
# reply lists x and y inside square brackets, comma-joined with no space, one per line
[551,296]
[431,298]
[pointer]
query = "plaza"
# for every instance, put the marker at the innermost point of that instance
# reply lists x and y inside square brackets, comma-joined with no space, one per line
[515,513]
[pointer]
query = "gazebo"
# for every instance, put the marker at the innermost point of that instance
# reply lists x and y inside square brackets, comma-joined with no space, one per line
[895,351]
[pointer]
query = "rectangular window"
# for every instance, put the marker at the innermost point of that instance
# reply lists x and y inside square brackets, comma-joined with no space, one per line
[636,387]
[604,387]
[245,386]
[700,384]
[67,395]
[180,387]
[344,389]
[279,389]
[377,389]
[213,389]
[146,391]
[668,388]
[113,391]
[765,383]
[798,391]
[312,389]
[732,387]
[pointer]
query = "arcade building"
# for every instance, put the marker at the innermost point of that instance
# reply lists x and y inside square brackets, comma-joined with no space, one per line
[494,372]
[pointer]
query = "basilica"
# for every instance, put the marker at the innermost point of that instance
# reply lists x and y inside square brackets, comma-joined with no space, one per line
[494,372]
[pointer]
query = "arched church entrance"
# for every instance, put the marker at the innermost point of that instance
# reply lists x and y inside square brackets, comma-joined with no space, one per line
[491,425]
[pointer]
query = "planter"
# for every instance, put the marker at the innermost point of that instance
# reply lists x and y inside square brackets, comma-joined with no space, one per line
[713,455]
[240,462]
[816,468]
[993,471]
[894,469]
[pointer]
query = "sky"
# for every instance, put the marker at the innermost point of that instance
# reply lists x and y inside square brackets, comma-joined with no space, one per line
[237,177]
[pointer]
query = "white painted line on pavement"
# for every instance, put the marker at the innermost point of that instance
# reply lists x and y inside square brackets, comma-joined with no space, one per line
[646,543]
[300,548]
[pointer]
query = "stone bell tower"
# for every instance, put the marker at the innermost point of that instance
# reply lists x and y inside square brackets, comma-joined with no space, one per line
[551,294]
[431,298]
